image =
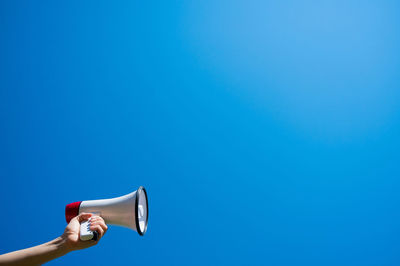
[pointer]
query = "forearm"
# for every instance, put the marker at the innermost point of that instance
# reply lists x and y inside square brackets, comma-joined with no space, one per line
[36,255]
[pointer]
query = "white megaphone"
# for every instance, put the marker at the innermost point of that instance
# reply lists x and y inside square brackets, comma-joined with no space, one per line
[130,211]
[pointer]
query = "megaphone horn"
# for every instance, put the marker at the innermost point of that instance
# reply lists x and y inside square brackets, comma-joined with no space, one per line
[130,211]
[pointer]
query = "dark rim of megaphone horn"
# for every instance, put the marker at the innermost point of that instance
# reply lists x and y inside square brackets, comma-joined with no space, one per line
[140,190]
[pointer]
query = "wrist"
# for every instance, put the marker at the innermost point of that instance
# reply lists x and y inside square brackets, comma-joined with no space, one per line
[61,245]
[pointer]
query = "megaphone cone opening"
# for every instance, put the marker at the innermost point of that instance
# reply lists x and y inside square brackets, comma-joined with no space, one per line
[141,211]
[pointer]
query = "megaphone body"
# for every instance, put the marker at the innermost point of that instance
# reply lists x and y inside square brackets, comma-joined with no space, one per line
[130,211]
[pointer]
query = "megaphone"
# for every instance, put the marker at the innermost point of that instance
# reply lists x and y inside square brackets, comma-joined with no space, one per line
[130,211]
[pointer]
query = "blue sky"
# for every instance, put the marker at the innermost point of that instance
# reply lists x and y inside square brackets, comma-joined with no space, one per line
[265,132]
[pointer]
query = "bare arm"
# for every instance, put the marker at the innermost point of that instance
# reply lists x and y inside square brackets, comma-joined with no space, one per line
[36,255]
[67,242]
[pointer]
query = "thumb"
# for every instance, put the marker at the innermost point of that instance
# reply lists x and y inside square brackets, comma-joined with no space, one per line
[83,217]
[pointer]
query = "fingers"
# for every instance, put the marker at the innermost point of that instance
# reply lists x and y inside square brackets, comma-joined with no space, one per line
[98,229]
[97,224]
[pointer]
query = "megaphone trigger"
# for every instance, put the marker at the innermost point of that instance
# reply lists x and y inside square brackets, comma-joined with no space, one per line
[95,236]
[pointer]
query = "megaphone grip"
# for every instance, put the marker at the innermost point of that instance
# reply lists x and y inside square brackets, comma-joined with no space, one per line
[86,233]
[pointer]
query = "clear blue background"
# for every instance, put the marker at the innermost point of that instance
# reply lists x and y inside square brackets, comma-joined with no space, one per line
[266,132]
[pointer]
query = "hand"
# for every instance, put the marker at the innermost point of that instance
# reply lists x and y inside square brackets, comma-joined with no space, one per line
[58,247]
[71,233]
